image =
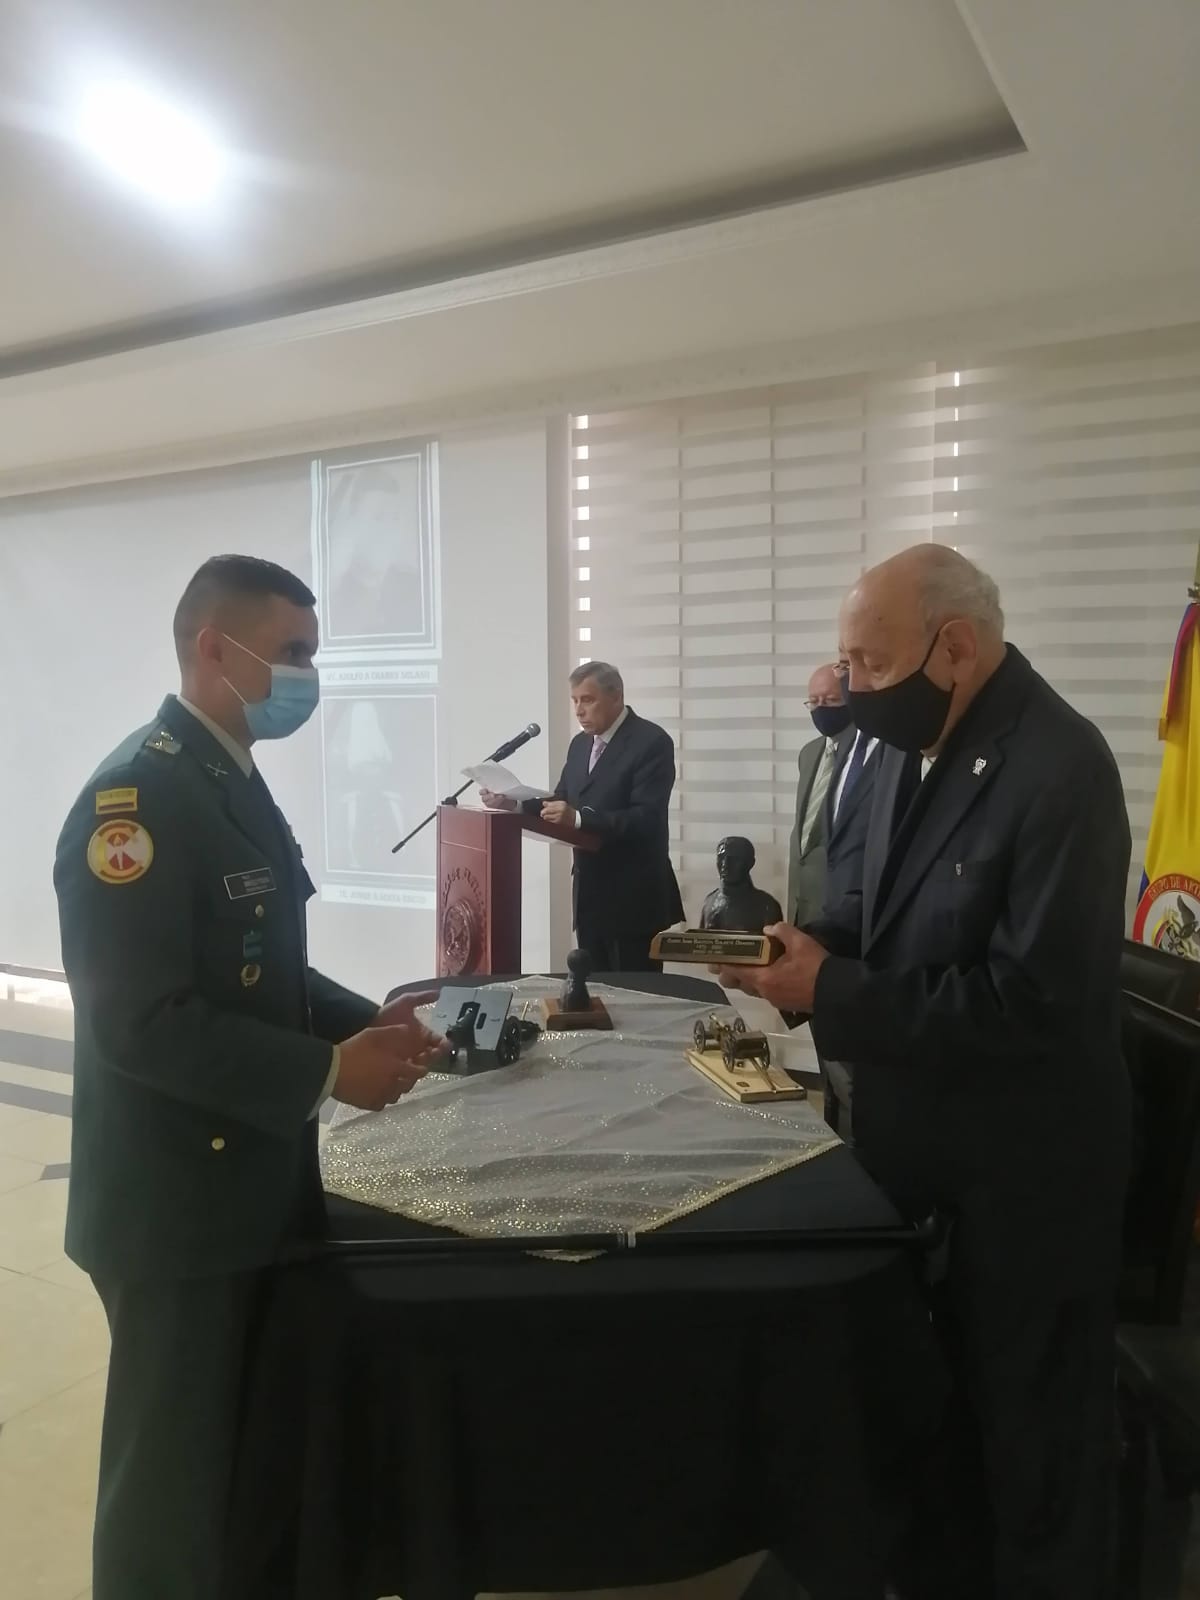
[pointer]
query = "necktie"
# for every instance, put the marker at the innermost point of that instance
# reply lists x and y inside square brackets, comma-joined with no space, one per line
[816,796]
[597,752]
[858,760]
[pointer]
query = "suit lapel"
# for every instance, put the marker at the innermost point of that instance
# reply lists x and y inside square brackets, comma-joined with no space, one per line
[614,753]
[863,787]
[807,763]
[960,777]
[879,833]
[248,805]
[957,787]
[844,748]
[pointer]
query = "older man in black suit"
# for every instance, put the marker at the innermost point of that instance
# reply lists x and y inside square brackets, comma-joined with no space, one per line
[973,984]
[617,782]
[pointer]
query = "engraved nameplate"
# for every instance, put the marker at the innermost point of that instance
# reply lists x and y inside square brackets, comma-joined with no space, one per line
[713,947]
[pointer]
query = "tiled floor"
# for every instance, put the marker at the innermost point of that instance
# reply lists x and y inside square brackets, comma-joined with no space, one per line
[55,1348]
[54,1340]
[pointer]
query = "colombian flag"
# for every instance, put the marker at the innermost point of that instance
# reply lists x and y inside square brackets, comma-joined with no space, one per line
[1168,912]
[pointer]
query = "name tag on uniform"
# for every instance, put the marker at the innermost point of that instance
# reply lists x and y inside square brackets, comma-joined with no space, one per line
[247,885]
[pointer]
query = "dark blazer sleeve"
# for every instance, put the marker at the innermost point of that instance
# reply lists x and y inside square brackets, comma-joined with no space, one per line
[337,1013]
[649,796]
[839,927]
[129,950]
[1063,910]
[533,808]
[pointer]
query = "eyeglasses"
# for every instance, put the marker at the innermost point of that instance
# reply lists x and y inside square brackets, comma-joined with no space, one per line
[823,700]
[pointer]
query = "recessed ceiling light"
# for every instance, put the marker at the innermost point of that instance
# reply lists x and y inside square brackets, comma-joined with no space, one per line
[150,145]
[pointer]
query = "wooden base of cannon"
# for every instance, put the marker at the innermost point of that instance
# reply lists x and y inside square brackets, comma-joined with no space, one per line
[746,1081]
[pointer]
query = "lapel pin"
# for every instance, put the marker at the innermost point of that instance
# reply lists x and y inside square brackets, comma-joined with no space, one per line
[251,973]
[977,769]
[217,770]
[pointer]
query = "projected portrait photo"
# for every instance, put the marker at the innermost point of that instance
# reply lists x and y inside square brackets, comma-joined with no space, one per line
[376,554]
[380,775]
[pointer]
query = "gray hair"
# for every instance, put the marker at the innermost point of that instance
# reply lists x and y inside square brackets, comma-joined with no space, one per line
[606,678]
[951,586]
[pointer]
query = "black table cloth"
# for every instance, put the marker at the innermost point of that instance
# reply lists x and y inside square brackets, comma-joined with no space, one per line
[436,1428]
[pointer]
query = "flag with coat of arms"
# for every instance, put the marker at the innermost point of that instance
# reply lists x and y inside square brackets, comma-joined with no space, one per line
[1168,910]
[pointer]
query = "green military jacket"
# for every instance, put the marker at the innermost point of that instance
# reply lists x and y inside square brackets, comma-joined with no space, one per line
[202,1036]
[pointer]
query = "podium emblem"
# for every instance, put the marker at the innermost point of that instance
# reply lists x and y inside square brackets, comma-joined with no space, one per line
[461,923]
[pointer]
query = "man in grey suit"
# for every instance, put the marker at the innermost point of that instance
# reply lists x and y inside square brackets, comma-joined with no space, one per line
[817,763]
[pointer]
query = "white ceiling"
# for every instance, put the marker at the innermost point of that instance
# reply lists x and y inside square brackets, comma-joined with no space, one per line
[451,205]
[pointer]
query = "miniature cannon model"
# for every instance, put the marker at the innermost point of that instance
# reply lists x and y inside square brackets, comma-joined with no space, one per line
[743,1068]
[711,1035]
[479,1029]
[738,1045]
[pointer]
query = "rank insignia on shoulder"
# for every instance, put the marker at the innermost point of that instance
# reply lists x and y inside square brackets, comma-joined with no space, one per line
[120,852]
[110,800]
[164,742]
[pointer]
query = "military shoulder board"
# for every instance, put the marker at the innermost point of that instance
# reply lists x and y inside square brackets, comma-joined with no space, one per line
[164,743]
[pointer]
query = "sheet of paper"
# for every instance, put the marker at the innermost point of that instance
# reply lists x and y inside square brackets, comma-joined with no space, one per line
[491,775]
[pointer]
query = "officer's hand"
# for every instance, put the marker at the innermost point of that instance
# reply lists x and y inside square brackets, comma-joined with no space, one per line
[400,1013]
[378,1065]
[497,802]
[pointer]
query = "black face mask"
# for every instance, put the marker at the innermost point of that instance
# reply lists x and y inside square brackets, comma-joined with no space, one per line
[908,715]
[830,720]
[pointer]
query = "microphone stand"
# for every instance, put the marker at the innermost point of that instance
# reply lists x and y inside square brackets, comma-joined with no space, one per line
[500,754]
[450,800]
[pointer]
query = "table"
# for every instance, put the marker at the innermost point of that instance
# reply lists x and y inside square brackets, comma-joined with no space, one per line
[456,1425]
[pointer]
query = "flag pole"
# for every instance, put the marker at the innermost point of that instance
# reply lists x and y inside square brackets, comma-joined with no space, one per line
[1194,591]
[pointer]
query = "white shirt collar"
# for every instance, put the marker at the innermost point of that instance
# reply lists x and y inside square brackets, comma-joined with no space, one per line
[235,751]
[606,737]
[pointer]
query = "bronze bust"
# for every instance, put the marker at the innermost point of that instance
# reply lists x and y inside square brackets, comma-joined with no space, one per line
[737,906]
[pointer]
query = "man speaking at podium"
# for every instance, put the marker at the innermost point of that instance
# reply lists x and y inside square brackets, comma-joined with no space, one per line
[617,782]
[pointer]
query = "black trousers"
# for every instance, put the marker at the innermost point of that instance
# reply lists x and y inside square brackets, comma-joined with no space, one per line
[616,952]
[837,1084]
[171,1420]
[1017,1498]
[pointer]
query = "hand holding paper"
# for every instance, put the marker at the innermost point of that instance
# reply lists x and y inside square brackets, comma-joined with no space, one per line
[500,781]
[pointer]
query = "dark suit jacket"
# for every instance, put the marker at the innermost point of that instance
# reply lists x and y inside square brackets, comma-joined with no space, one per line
[806,868]
[627,888]
[974,984]
[202,1036]
[846,832]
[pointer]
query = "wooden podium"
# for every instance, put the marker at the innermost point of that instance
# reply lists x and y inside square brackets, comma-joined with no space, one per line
[479,885]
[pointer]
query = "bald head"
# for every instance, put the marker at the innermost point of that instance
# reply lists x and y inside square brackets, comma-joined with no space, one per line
[925,611]
[919,591]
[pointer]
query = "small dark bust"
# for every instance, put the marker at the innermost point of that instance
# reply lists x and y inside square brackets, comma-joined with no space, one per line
[575,997]
[737,906]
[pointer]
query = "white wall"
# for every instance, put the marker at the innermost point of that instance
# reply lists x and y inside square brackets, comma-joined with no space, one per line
[88,584]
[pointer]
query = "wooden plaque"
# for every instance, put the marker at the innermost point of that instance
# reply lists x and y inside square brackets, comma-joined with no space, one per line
[713,947]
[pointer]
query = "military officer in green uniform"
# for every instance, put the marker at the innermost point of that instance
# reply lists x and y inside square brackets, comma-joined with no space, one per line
[204,1047]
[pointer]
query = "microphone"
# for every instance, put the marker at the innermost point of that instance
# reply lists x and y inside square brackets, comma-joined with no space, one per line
[531,731]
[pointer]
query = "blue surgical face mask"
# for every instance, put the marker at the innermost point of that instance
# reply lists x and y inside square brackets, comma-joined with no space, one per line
[294,694]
